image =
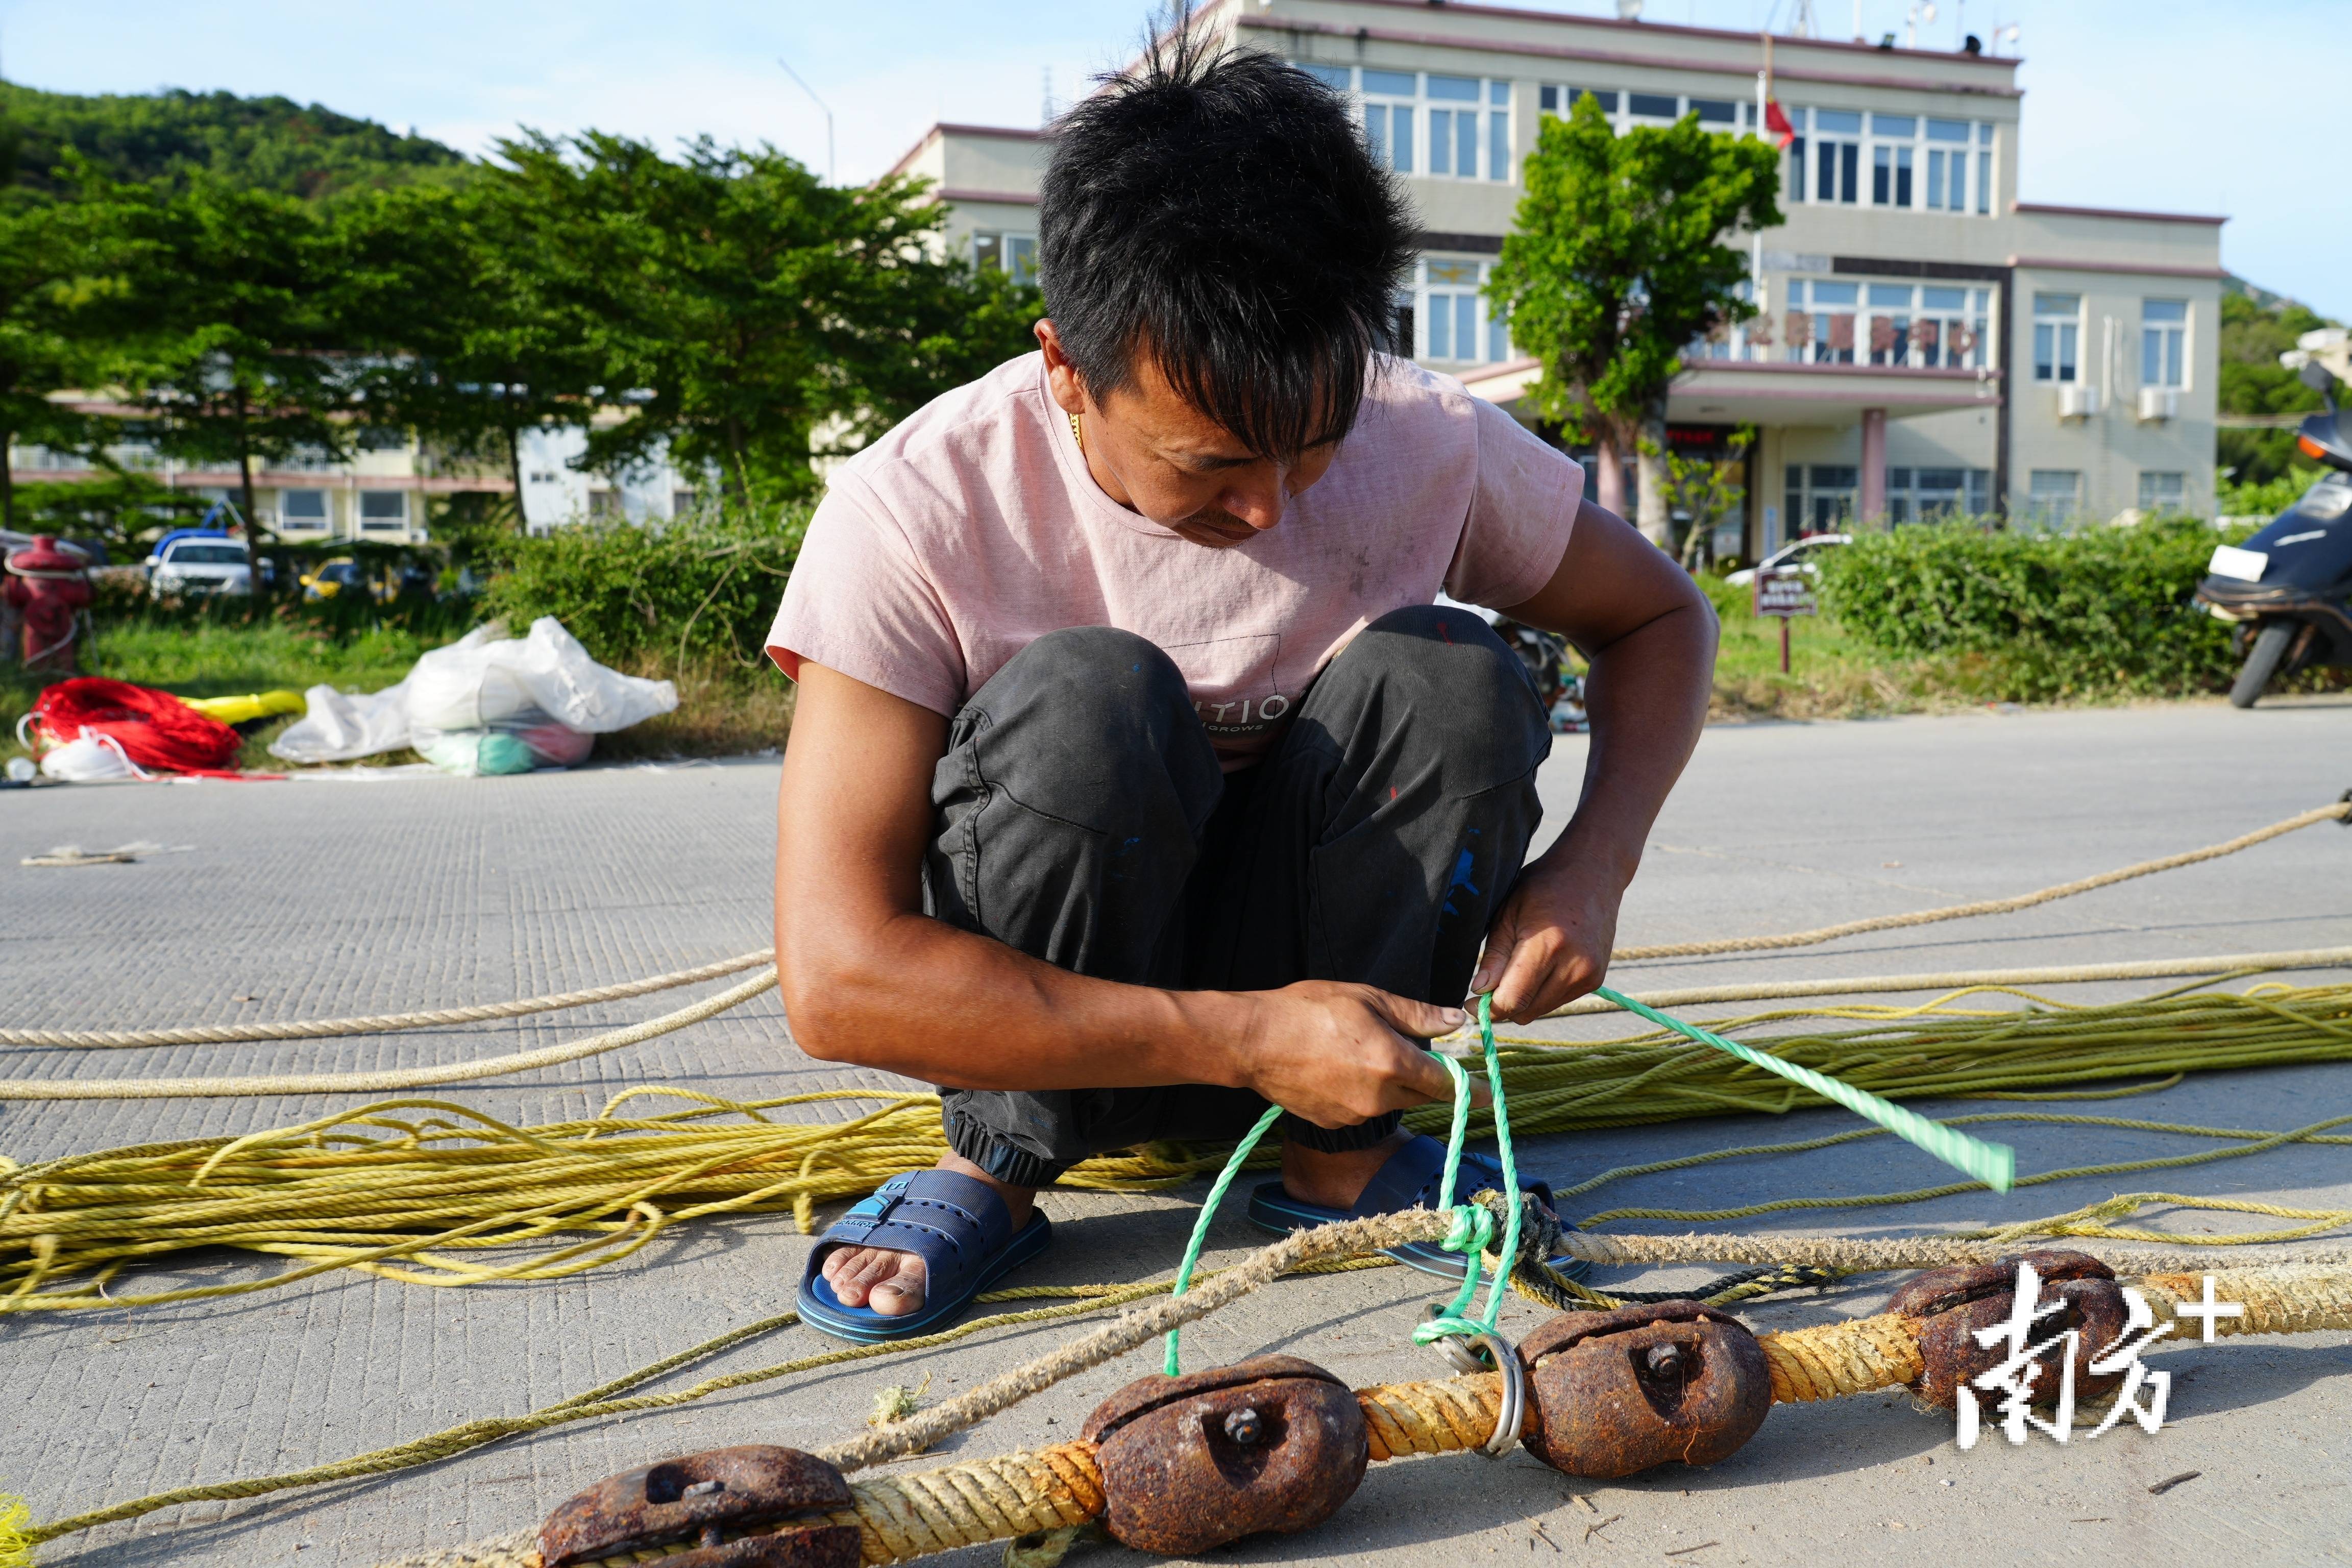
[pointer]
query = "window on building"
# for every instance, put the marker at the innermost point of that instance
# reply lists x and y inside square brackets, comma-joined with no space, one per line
[2054,496]
[1452,127]
[542,477]
[1339,78]
[1016,253]
[1837,156]
[1559,101]
[1713,112]
[1454,130]
[1948,331]
[1984,168]
[1934,494]
[1893,157]
[605,503]
[302,511]
[1890,321]
[1498,131]
[381,510]
[2057,336]
[1820,498]
[680,502]
[2162,491]
[1390,108]
[2163,337]
[1947,165]
[1660,106]
[1455,314]
[1819,326]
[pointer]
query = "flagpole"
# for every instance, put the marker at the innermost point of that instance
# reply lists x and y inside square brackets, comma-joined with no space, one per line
[1756,253]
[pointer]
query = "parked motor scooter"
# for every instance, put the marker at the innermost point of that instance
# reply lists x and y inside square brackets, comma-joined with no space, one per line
[2288,589]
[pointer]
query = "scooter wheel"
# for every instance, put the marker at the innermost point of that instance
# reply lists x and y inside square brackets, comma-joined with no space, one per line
[2261,663]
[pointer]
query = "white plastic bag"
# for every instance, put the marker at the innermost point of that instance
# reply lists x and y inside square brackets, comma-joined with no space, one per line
[544,690]
[344,726]
[476,687]
[91,758]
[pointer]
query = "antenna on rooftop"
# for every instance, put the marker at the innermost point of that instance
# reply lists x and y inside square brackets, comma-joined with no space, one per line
[1802,24]
[1046,104]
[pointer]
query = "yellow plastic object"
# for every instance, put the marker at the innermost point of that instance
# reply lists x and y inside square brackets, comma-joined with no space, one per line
[251,706]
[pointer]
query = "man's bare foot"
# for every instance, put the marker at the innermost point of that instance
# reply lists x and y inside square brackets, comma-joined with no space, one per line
[891,1283]
[1335,1181]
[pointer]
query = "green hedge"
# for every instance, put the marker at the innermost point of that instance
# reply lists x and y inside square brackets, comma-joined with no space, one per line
[659,594]
[2104,611]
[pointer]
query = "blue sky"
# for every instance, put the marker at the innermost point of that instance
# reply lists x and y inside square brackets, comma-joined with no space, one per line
[2185,107]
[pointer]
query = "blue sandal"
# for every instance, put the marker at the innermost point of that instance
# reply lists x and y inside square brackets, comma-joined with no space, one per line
[1409,1180]
[958,1226]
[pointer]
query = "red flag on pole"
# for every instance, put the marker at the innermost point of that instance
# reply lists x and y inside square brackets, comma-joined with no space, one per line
[1777,122]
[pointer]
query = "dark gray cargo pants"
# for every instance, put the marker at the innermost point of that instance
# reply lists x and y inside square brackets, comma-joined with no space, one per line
[1081,818]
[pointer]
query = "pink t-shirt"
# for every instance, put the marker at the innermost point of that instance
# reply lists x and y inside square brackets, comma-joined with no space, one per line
[974,526]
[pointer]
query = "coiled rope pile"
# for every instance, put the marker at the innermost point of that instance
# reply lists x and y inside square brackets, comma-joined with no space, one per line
[406,1188]
[373,1191]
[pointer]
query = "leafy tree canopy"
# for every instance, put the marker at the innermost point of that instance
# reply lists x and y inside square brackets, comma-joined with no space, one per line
[1617,263]
[266,144]
[2255,329]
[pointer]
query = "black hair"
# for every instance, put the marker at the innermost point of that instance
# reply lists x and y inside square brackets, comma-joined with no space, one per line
[1220,212]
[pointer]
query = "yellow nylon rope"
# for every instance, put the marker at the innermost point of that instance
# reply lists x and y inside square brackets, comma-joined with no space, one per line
[407,1188]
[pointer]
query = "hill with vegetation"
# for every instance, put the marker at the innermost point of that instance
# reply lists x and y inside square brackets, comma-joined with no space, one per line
[264,143]
[2257,326]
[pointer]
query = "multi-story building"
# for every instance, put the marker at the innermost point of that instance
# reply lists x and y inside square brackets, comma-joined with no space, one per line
[1927,343]
[384,491]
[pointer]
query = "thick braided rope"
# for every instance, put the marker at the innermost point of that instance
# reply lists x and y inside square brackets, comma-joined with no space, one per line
[381,1022]
[1910,1252]
[1344,1239]
[2336,812]
[394,1081]
[970,1504]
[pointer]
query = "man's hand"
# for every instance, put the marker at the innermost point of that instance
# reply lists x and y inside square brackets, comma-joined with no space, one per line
[1649,634]
[1550,944]
[1338,1054]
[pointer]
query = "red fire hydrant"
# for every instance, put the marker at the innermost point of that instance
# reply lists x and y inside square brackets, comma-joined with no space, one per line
[47,589]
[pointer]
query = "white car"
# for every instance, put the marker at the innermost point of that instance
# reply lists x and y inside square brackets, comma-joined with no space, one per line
[1798,553]
[199,566]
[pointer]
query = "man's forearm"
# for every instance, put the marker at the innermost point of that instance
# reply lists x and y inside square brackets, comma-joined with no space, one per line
[1646,696]
[910,993]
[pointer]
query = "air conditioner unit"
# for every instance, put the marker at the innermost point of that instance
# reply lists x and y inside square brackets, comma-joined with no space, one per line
[2159,402]
[2077,401]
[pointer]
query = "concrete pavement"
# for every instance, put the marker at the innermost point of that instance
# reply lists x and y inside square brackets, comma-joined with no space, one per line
[317,897]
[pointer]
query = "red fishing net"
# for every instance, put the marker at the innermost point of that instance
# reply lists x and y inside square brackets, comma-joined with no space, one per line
[155,729]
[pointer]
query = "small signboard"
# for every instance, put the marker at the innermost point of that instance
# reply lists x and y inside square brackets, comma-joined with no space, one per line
[1782,592]
[1785,591]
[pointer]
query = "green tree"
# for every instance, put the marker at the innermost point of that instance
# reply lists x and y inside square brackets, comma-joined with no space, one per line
[53,265]
[444,298]
[2252,382]
[1700,492]
[1616,264]
[234,341]
[745,314]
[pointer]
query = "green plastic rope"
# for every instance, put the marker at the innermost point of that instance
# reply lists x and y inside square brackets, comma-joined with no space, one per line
[1473,1228]
[1209,1211]
[1994,1164]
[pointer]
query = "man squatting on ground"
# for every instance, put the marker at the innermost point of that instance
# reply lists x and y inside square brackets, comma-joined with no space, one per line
[1136,781]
